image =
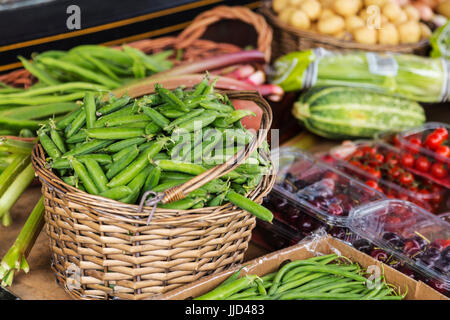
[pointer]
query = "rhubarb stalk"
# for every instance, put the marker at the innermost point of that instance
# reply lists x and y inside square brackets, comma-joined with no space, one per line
[15,258]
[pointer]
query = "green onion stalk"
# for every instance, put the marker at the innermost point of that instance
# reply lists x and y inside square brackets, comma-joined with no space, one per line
[412,77]
[15,258]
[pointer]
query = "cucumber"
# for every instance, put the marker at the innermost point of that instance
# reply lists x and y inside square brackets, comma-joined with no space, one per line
[351,113]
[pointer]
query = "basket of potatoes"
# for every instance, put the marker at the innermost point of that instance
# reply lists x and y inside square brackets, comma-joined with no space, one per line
[343,25]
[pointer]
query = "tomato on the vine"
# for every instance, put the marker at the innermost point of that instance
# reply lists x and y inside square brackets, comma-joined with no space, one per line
[416,144]
[391,159]
[442,132]
[395,172]
[443,151]
[433,141]
[406,178]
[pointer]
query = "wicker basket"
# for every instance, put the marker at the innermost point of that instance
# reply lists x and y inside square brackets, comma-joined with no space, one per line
[189,41]
[104,249]
[292,39]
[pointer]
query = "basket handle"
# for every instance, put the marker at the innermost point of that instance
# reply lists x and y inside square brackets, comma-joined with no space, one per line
[179,192]
[200,24]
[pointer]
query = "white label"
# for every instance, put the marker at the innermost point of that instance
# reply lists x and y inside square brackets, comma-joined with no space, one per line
[382,64]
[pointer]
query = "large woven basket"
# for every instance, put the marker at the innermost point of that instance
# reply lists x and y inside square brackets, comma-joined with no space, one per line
[189,41]
[104,249]
[292,39]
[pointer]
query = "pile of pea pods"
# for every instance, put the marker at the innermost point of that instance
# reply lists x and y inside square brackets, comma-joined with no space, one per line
[119,148]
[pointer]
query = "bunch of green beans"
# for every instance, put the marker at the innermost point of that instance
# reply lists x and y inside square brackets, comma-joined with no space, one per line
[123,147]
[325,277]
[65,76]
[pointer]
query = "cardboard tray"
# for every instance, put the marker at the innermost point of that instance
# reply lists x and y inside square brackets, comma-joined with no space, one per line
[417,290]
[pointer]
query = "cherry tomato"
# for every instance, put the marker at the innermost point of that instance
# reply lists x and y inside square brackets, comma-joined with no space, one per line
[396,141]
[438,170]
[416,144]
[367,150]
[379,158]
[372,184]
[331,175]
[391,159]
[374,172]
[395,172]
[406,178]
[407,160]
[433,141]
[357,154]
[442,132]
[422,164]
[443,151]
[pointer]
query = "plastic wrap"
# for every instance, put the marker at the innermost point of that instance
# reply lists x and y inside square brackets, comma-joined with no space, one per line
[359,160]
[417,239]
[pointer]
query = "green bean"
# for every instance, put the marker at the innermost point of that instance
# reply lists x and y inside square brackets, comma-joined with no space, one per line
[328,296]
[250,206]
[103,67]
[170,97]
[17,124]
[80,71]
[42,75]
[127,120]
[32,101]
[65,87]
[15,146]
[231,288]
[156,117]
[301,281]
[105,53]
[122,162]
[41,111]
[138,164]
[117,193]
[88,147]
[97,174]
[77,123]
[113,106]
[83,174]
[115,133]
[18,164]
[90,109]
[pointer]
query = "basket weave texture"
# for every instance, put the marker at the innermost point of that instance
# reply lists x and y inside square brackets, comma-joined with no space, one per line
[289,39]
[189,41]
[104,249]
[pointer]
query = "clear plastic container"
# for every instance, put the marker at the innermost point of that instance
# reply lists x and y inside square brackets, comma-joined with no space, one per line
[276,235]
[383,163]
[318,189]
[413,236]
[434,163]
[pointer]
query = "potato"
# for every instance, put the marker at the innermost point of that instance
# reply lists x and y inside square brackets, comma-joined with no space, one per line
[285,15]
[412,12]
[347,8]
[331,25]
[388,34]
[409,32]
[279,5]
[365,35]
[312,8]
[300,20]
[401,18]
[392,11]
[378,3]
[353,22]
[326,13]
[425,31]
[327,4]
[295,3]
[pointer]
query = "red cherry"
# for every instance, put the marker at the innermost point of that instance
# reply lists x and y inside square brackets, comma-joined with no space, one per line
[422,164]
[438,170]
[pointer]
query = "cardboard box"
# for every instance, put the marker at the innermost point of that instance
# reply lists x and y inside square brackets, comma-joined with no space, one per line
[417,290]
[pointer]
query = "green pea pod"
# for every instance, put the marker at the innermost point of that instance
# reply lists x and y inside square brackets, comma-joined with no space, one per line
[120,145]
[77,123]
[113,106]
[97,174]
[170,97]
[136,185]
[83,175]
[156,117]
[152,179]
[197,123]
[250,206]
[48,145]
[117,193]
[90,109]
[115,133]
[80,136]
[58,140]
[88,147]
[128,120]
[122,162]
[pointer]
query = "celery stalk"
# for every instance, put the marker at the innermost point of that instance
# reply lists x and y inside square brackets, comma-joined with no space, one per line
[15,258]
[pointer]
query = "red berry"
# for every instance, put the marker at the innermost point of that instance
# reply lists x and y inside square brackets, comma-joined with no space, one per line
[438,170]
[407,160]
[422,164]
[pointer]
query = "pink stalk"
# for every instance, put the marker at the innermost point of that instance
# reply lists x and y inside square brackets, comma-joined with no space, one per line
[257,78]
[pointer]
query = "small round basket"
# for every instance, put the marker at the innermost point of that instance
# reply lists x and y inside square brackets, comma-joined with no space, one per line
[292,39]
[189,41]
[104,249]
